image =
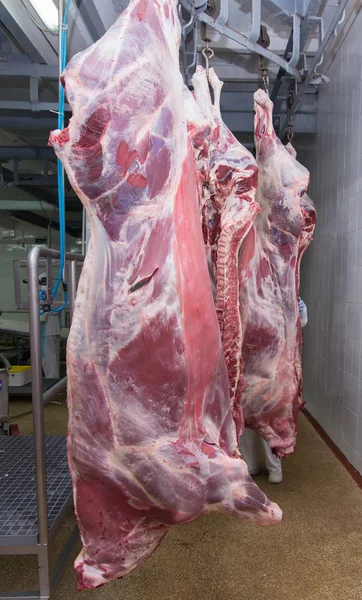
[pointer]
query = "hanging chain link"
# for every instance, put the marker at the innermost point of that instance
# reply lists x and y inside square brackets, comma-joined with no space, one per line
[264,41]
[290,134]
[265,71]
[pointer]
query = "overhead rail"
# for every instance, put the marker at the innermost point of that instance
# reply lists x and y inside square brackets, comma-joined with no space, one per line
[282,83]
[295,74]
[250,40]
[312,67]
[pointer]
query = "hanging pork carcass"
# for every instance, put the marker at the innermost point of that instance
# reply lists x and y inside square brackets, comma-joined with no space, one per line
[269,286]
[152,441]
[228,209]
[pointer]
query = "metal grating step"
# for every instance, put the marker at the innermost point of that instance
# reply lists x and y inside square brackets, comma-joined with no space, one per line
[18,503]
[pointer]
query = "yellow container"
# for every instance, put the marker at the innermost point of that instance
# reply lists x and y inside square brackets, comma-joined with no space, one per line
[20,375]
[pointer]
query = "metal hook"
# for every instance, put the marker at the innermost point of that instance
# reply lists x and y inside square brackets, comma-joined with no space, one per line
[192,65]
[185,30]
[264,41]
[264,70]
[207,53]
[185,27]
[188,26]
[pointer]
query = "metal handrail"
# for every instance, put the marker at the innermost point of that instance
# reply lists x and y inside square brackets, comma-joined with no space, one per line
[37,386]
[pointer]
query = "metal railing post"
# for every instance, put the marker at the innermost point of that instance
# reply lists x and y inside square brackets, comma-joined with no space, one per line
[49,276]
[72,288]
[38,419]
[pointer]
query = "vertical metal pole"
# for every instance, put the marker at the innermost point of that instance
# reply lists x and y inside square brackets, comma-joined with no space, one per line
[73,287]
[60,25]
[84,231]
[60,49]
[49,274]
[38,420]
[17,284]
[296,41]
[256,22]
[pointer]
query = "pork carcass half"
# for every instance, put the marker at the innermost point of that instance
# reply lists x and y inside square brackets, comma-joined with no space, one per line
[228,210]
[152,441]
[269,281]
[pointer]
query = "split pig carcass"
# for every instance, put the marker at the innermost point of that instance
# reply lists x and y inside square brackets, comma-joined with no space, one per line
[269,267]
[228,209]
[152,441]
[255,236]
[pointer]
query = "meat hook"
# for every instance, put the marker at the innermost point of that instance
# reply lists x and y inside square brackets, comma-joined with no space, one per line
[264,71]
[207,53]
[264,41]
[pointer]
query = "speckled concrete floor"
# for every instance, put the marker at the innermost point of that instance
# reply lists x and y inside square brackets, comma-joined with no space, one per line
[315,554]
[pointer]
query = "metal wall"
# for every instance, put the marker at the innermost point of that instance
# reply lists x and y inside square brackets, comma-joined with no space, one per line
[332,269]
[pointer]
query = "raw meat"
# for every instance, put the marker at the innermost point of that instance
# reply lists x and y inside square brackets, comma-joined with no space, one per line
[228,210]
[309,221]
[269,282]
[152,441]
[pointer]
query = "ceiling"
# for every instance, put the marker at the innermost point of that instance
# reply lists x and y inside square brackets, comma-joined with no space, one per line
[29,91]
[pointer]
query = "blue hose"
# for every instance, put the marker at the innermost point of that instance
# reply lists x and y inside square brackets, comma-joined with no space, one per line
[61,191]
[58,310]
[42,299]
